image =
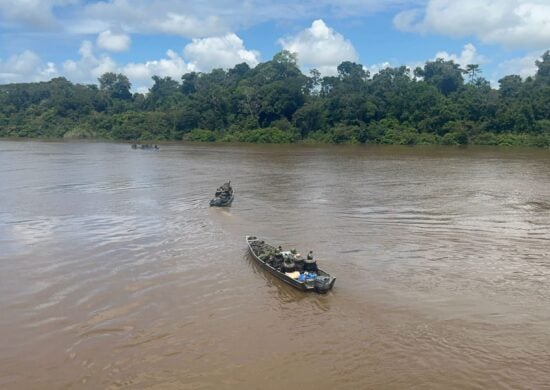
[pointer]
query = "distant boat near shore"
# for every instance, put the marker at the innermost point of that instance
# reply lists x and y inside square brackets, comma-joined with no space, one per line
[145,146]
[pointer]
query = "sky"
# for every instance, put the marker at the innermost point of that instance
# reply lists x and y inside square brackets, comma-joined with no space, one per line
[82,39]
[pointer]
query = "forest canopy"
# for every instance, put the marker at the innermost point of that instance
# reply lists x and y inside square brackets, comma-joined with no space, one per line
[439,103]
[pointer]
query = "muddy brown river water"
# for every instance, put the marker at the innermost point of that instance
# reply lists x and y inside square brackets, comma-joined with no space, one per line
[115,272]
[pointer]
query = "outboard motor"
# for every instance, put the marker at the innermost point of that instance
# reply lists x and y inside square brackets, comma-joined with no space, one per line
[322,284]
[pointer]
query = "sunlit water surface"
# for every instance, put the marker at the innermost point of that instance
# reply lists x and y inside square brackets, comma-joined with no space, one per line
[115,272]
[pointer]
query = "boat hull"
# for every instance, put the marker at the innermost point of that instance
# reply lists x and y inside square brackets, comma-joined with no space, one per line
[219,202]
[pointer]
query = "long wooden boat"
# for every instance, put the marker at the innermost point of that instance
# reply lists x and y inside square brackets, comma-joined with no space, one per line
[320,282]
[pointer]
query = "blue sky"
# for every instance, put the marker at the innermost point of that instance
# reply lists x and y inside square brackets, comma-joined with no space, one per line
[80,40]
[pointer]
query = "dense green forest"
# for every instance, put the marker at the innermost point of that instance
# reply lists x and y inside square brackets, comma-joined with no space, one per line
[275,102]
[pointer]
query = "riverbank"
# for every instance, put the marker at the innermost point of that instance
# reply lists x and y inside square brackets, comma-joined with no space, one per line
[357,135]
[338,136]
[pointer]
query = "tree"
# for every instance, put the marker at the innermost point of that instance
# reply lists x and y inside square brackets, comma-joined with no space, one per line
[237,73]
[165,92]
[189,83]
[471,71]
[510,86]
[117,86]
[276,102]
[445,75]
[310,117]
[543,72]
[314,82]
[350,71]
[286,57]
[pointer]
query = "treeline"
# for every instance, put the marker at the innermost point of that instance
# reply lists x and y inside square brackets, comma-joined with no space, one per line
[276,103]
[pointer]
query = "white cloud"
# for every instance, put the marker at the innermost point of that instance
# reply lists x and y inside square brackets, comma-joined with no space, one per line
[108,40]
[511,23]
[468,56]
[191,19]
[376,68]
[214,17]
[523,66]
[184,19]
[320,47]
[345,8]
[26,67]
[89,67]
[219,52]
[33,13]
[201,55]
[140,74]
[86,26]
[188,26]
[408,21]
[217,17]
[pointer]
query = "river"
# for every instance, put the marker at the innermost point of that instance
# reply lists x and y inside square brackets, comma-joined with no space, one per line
[115,272]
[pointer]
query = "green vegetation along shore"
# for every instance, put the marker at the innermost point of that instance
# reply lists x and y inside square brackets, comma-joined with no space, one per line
[439,103]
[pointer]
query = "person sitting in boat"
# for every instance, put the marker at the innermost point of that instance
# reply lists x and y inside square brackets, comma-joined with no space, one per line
[277,259]
[266,255]
[288,265]
[298,260]
[310,263]
[225,188]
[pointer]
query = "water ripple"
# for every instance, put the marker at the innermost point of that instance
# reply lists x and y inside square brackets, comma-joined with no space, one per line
[115,272]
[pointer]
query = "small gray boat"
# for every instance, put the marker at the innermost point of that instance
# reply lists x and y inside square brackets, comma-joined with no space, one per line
[223,196]
[276,261]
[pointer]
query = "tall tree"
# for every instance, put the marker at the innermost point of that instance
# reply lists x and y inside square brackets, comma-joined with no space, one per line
[445,75]
[117,86]
[472,70]
[543,71]
[165,92]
